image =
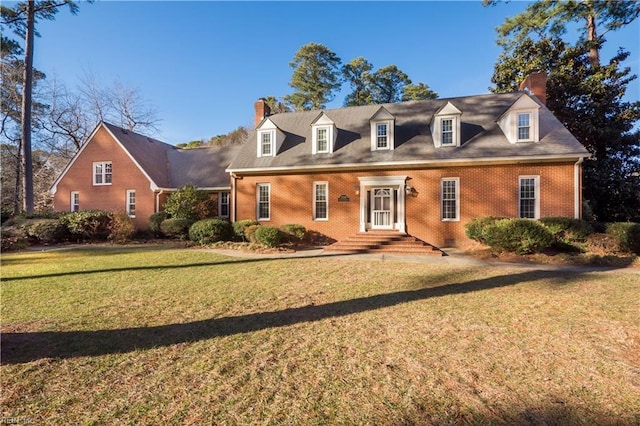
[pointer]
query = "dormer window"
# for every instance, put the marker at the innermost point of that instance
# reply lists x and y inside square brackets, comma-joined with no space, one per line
[445,127]
[267,138]
[323,134]
[447,131]
[520,122]
[382,136]
[382,130]
[524,126]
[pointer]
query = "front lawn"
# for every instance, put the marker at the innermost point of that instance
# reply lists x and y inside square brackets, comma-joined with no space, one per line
[183,336]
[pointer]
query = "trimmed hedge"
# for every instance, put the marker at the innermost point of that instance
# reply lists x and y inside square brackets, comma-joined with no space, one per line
[121,227]
[240,227]
[270,236]
[567,229]
[154,222]
[209,231]
[294,232]
[628,233]
[89,224]
[475,229]
[190,203]
[250,233]
[44,231]
[176,227]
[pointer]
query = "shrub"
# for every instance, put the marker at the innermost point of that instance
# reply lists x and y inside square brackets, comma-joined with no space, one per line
[190,203]
[604,244]
[250,233]
[521,236]
[240,226]
[475,228]
[270,236]
[209,231]
[154,222]
[12,239]
[88,224]
[176,227]
[45,231]
[567,229]
[121,227]
[294,232]
[628,233]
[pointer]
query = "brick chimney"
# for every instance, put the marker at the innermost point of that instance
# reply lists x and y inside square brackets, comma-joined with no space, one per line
[262,111]
[536,84]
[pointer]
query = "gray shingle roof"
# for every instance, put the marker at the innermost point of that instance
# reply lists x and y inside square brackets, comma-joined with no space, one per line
[481,138]
[170,167]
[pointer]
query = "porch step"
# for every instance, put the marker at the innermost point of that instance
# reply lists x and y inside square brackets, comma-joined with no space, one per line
[384,242]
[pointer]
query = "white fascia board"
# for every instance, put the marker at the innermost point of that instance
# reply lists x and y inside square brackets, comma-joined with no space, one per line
[402,164]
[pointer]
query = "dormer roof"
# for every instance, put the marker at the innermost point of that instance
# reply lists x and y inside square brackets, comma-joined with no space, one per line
[481,139]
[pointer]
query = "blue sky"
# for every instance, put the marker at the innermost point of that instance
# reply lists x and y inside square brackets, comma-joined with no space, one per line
[204,64]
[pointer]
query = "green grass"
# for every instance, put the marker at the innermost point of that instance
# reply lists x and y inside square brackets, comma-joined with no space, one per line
[190,337]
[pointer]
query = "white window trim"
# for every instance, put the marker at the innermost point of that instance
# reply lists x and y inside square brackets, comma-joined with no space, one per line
[220,203]
[455,131]
[315,216]
[73,204]
[103,174]
[127,205]
[272,135]
[533,125]
[258,186]
[329,130]
[536,188]
[390,135]
[457,199]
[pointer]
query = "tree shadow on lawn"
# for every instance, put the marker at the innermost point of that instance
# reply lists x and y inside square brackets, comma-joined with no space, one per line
[31,346]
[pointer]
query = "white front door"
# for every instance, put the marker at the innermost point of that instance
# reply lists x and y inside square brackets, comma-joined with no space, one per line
[382,208]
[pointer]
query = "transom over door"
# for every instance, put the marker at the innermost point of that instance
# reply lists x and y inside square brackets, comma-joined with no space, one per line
[382,208]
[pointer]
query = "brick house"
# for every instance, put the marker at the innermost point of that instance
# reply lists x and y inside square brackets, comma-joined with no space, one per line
[117,169]
[424,168]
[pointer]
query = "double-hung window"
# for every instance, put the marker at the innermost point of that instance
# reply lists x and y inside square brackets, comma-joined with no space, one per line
[450,207]
[382,136]
[131,202]
[322,139]
[320,201]
[224,204]
[75,201]
[264,201]
[524,126]
[528,197]
[447,131]
[266,140]
[102,173]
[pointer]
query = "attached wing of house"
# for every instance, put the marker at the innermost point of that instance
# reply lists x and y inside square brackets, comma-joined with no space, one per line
[118,169]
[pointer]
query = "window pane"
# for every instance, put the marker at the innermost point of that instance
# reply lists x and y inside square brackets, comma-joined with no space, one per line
[449,199]
[266,143]
[321,203]
[322,140]
[107,173]
[523,126]
[381,135]
[528,198]
[263,202]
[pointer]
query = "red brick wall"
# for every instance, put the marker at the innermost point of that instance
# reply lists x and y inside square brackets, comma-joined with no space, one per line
[126,176]
[484,191]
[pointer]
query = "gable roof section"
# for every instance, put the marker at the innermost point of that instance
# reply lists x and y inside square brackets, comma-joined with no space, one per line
[481,138]
[166,166]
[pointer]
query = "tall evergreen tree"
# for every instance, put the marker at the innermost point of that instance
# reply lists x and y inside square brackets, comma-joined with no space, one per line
[585,95]
[388,84]
[316,76]
[418,92]
[358,74]
[22,18]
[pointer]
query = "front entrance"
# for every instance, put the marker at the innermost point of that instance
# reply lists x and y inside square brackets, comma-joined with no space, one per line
[382,208]
[382,203]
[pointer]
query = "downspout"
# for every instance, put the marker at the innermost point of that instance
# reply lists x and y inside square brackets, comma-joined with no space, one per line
[577,189]
[234,191]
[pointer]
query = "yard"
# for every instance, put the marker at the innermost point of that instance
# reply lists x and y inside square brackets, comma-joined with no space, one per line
[183,336]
